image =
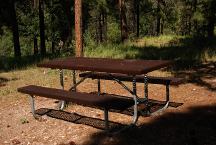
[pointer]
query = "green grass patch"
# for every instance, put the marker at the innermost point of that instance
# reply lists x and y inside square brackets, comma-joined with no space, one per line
[186,51]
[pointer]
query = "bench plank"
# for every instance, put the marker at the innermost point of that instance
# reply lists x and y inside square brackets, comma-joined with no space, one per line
[105,101]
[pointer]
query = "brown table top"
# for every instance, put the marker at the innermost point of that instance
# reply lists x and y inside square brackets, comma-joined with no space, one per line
[123,66]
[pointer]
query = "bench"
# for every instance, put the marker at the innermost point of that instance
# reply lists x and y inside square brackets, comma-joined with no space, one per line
[105,101]
[151,79]
[167,81]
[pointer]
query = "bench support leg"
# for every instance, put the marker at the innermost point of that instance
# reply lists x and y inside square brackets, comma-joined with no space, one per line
[99,87]
[135,117]
[167,100]
[75,83]
[32,106]
[145,99]
[135,97]
[146,87]
[62,103]
[167,91]
[106,118]
[74,80]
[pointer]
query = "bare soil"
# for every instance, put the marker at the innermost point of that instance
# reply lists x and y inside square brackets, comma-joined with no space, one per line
[192,123]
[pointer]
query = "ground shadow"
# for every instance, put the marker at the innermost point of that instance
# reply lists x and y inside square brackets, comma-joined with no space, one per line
[14,63]
[195,127]
[186,52]
[189,56]
[4,80]
[202,75]
[78,119]
[99,123]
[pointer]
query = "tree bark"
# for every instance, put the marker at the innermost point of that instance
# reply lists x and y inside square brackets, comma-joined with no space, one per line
[123,20]
[35,45]
[42,27]
[14,24]
[137,17]
[158,18]
[78,28]
[162,26]
[68,34]
[211,18]
[195,23]
[104,19]
[100,26]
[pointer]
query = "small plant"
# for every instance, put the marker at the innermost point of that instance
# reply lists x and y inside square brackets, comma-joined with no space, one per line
[24,120]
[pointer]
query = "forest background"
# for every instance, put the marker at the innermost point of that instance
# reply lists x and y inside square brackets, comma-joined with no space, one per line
[180,30]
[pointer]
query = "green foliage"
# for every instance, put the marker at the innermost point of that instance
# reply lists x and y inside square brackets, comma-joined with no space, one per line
[185,50]
[108,51]
[24,120]
[177,17]
[198,16]
[113,35]
[6,42]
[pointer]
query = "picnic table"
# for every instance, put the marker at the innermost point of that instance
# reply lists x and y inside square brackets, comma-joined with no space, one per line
[111,67]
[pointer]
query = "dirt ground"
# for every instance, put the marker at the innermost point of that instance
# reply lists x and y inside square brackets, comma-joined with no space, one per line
[191,123]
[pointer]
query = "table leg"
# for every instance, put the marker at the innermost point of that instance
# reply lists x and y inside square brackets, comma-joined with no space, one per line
[145,99]
[32,106]
[99,87]
[146,87]
[61,73]
[167,91]
[135,117]
[134,86]
[62,103]
[165,106]
[74,79]
[106,118]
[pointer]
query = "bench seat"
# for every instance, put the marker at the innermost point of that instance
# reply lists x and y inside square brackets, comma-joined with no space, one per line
[167,81]
[105,100]
[122,77]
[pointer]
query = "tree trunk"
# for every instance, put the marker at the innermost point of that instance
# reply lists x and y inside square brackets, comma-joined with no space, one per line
[35,46]
[195,21]
[158,18]
[210,28]
[137,17]
[42,27]
[123,20]
[211,19]
[104,21]
[162,26]
[78,28]
[68,34]
[100,26]
[52,30]
[14,24]
[53,47]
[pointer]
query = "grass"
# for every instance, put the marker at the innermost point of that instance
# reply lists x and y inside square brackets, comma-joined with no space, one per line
[128,49]
[32,75]
[186,51]
[155,41]
[8,63]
